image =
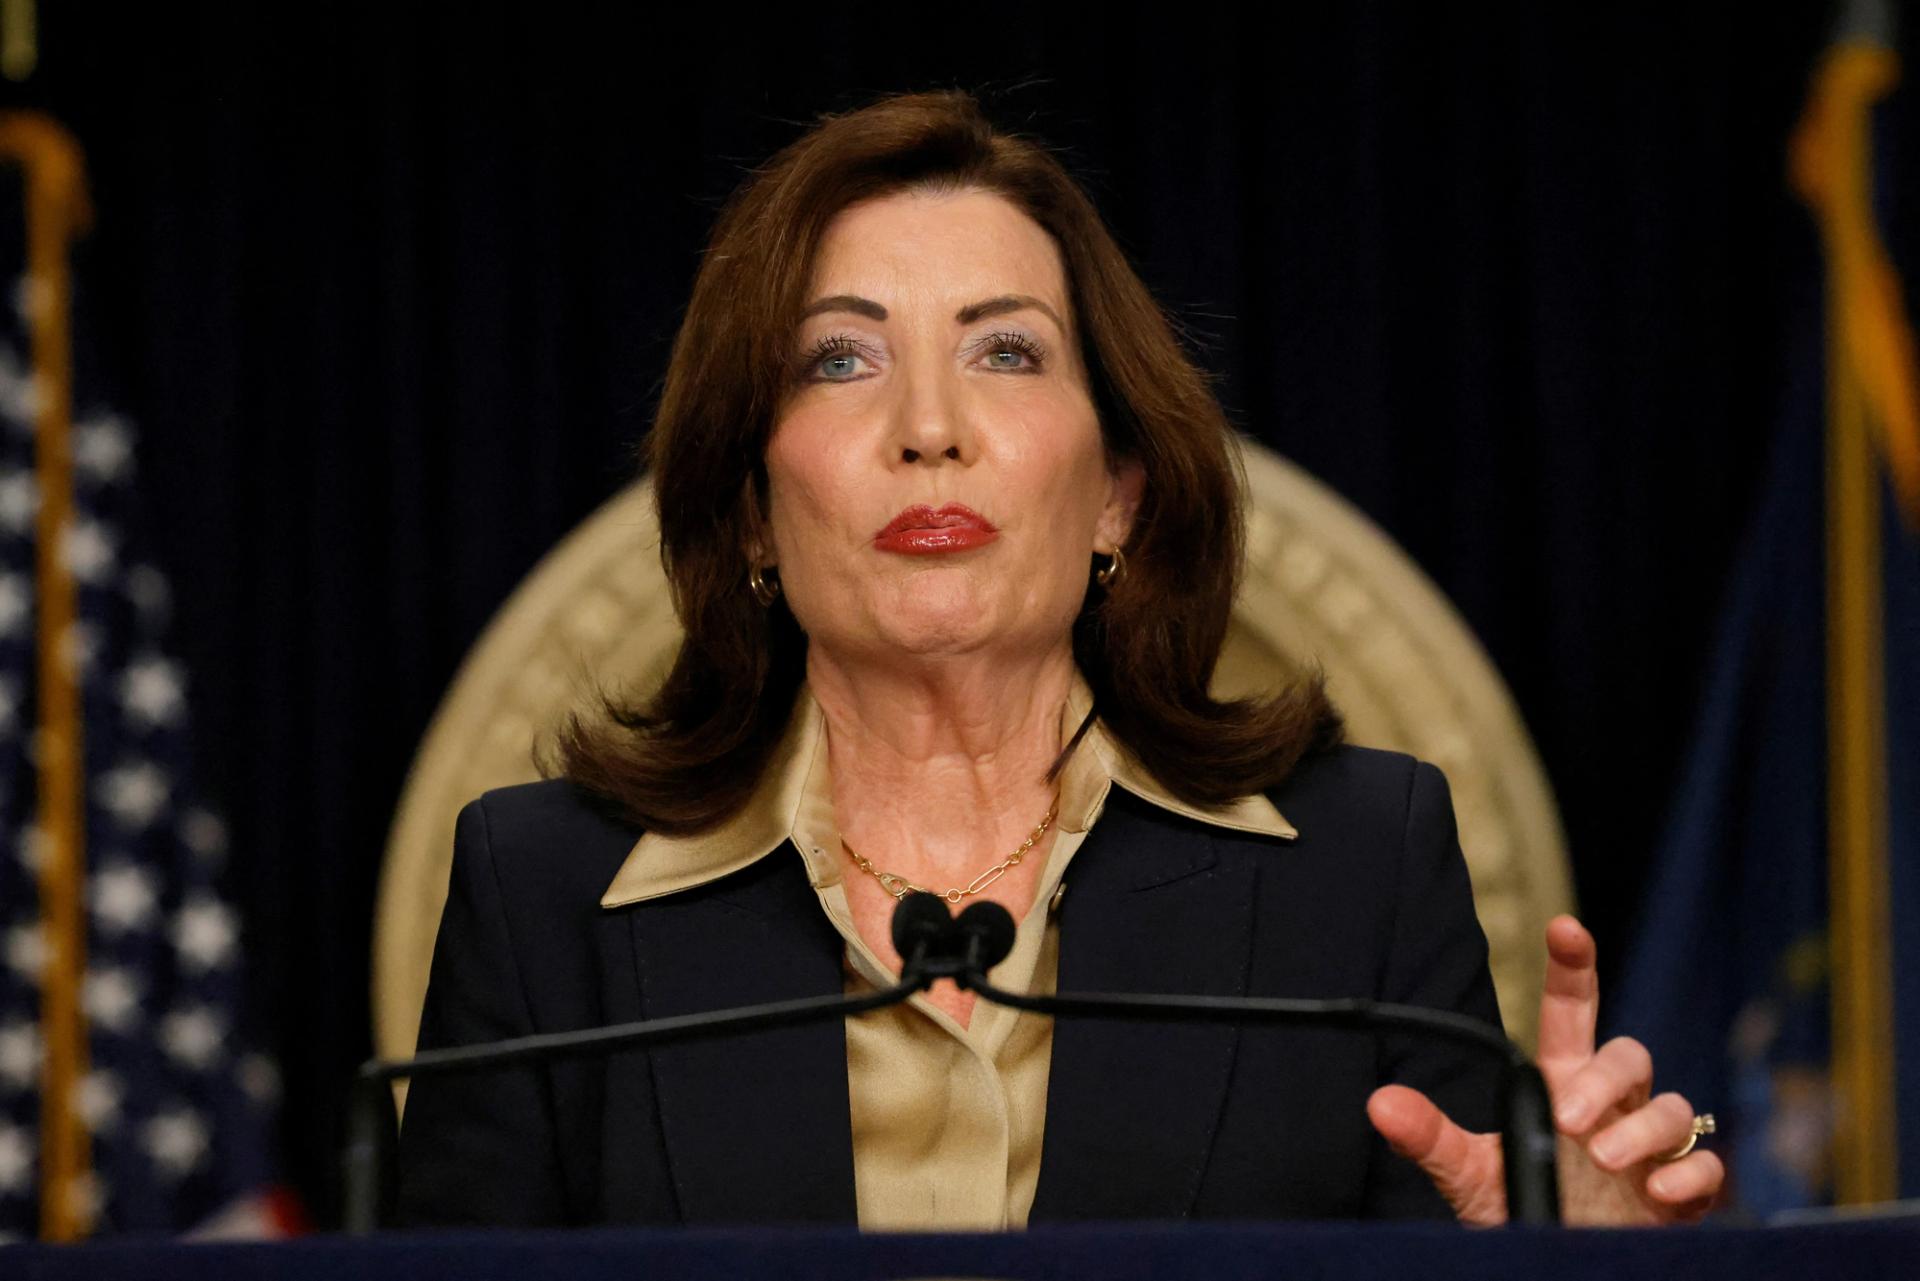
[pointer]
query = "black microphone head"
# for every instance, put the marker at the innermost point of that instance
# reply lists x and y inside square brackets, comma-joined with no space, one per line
[922,921]
[987,927]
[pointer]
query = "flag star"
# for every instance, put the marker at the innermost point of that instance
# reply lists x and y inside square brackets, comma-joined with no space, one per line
[103,448]
[260,1078]
[176,1141]
[153,691]
[30,298]
[19,395]
[147,588]
[111,998]
[19,502]
[20,1053]
[134,793]
[78,646]
[26,950]
[98,1100]
[16,1159]
[204,833]
[205,932]
[16,604]
[124,896]
[33,845]
[88,550]
[193,1036]
[86,1197]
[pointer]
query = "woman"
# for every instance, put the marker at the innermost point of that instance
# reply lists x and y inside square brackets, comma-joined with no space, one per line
[953,527]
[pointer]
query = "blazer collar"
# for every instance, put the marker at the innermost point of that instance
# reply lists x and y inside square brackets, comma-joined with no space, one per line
[796,787]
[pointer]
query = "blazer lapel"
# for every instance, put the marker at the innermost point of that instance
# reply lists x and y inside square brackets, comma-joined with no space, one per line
[756,1128]
[1151,906]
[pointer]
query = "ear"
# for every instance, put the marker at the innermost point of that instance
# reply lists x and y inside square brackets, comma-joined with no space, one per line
[1128,481]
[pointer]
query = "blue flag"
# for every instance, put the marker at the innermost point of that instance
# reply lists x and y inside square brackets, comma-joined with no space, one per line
[1775,973]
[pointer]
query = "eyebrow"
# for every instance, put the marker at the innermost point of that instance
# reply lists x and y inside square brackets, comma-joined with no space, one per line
[966,315]
[846,302]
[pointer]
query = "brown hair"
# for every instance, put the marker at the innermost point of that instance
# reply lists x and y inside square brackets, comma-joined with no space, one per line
[688,757]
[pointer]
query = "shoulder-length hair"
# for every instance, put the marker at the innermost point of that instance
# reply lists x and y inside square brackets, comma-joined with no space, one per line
[688,757]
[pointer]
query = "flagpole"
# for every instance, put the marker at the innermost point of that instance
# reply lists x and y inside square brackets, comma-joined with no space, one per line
[1859,923]
[1870,416]
[56,211]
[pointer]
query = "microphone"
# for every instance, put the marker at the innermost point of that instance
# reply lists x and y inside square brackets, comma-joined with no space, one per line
[923,926]
[985,934]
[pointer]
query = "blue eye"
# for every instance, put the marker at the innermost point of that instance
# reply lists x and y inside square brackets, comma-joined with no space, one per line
[1013,353]
[832,360]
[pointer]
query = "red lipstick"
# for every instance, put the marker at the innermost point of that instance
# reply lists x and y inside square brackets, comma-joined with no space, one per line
[925,531]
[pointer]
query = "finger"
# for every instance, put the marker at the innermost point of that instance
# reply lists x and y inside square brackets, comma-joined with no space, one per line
[1620,1072]
[1415,1127]
[1570,1000]
[1458,1166]
[1660,1127]
[1694,1177]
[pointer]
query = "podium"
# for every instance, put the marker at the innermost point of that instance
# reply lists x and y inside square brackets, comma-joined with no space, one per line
[1093,1252]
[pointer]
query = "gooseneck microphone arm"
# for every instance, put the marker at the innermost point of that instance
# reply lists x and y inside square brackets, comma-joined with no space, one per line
[922,933]
[983,936]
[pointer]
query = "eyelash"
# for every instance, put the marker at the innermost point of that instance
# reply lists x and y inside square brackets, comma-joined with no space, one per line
[844,345]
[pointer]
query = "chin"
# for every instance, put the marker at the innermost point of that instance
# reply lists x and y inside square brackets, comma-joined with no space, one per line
[937,622]
[936,634]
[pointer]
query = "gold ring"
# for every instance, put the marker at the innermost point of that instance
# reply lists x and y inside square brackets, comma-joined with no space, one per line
[1702,1124]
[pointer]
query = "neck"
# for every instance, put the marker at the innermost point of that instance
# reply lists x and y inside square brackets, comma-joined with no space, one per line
[942,767]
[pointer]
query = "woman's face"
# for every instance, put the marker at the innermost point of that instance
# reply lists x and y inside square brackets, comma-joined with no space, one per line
[937,480]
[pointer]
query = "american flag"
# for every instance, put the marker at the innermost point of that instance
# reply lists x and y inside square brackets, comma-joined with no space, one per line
[176,1110]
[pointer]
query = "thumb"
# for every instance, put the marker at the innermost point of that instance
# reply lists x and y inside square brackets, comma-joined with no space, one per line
[1463,1166]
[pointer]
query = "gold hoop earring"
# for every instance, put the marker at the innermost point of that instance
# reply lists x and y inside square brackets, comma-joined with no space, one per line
[764,584]
[1110,574]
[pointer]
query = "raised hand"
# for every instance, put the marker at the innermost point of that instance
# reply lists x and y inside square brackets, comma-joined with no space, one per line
[1614,1138]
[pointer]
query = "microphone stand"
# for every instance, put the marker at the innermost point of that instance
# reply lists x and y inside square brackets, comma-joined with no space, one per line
[1526,1139]
[919,934]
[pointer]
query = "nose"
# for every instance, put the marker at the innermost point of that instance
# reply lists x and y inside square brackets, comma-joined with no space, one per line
[930,423]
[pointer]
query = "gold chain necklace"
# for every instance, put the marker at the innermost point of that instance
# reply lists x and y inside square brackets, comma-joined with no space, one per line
[900,886]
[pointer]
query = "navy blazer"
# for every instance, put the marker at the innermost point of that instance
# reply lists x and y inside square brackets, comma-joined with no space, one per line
[1142,1120]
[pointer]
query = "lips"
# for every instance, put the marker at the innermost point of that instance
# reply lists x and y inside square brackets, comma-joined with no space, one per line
[925,531]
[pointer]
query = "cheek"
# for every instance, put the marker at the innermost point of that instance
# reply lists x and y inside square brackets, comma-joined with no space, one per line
[809,481]
[1065,468]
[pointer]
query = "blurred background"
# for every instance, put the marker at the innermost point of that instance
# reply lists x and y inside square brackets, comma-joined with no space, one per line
[378,298]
